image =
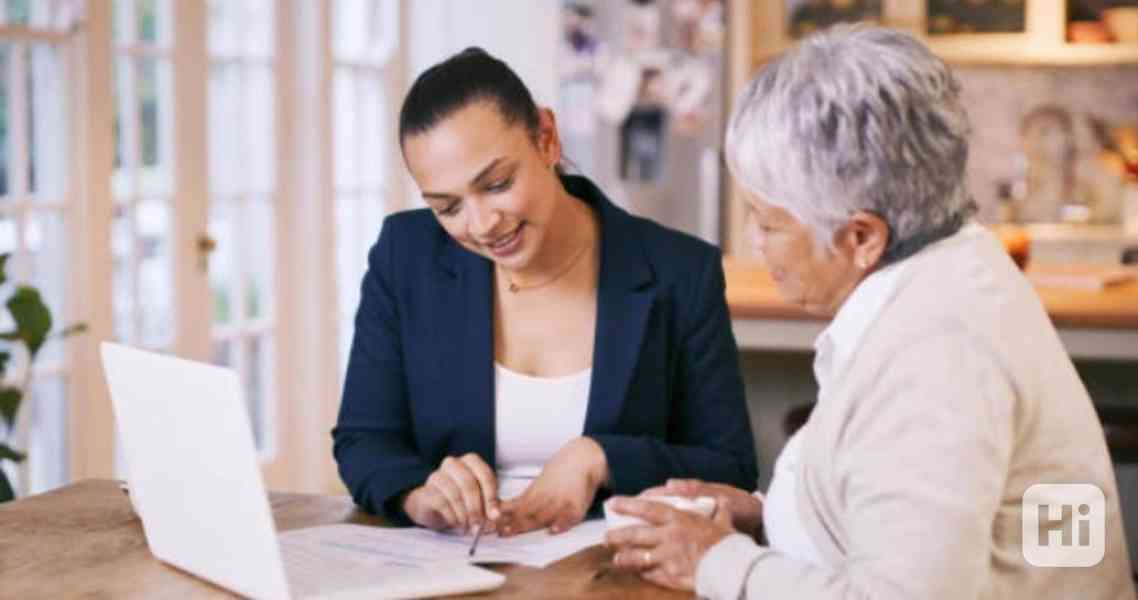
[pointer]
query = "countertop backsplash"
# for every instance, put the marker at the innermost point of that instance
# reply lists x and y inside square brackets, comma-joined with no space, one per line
[998,98]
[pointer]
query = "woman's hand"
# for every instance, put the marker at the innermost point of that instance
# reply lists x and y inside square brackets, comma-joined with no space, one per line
[667,551]
[745,510]
[461,494]
[562,494]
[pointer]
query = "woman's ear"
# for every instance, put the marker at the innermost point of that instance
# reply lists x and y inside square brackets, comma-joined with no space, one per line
[864,239]
[548,140]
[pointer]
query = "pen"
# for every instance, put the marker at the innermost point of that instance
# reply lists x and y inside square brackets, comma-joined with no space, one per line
[477,536]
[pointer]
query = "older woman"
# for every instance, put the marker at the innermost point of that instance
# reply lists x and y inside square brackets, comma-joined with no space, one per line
[945,393]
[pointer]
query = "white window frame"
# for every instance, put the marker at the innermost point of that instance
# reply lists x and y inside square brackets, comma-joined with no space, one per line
[379,65]
[307,378]
[241,331]
[22,204]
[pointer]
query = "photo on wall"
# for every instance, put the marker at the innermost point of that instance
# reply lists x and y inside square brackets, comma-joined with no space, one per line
[642,90]
[807,16]
[976,16]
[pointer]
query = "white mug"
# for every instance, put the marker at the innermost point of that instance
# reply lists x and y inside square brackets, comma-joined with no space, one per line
[703,505]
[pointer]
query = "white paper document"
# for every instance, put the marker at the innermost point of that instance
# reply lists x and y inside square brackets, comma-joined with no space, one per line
[315,571]
[413,547]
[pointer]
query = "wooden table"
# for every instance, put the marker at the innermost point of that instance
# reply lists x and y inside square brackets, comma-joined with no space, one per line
[84,540]
[1092,324]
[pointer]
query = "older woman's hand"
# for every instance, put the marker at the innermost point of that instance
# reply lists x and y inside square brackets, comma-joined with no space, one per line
[745,509]
[667,551]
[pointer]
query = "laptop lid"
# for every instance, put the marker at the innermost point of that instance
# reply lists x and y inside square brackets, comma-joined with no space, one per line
[193,470]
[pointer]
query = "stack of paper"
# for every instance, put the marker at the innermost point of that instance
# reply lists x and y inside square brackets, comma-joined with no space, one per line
[382,546]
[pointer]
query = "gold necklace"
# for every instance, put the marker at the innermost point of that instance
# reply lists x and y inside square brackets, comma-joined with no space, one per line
[515,288]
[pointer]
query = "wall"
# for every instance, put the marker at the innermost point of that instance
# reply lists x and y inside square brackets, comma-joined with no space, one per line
[998,97]
[523,33]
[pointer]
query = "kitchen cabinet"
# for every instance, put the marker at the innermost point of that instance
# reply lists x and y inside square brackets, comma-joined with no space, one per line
[759,31]
[1043,42]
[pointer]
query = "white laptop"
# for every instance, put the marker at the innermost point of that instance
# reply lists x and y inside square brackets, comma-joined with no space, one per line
[196,484]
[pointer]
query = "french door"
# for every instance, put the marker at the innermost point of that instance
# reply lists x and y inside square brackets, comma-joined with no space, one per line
[201,178]
[38,220]
[194,189]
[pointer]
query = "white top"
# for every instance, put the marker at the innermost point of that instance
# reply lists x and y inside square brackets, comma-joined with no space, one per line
[533,418]
[833,350]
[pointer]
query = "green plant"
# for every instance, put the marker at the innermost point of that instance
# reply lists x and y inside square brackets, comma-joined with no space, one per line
[32,329]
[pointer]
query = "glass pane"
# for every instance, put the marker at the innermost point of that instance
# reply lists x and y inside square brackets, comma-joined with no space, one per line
[373,108]
[122,251]
[224,126]
[347,332]
[49,126]
[47,240]
[258,388]
[126,128]
[372,210]
[156,127]
[5,135]
[223,261]
[39,13]
[48,452]
[258,27]
[124,22]
[18,12]
[224,26]
[347,254]
[223,353]
[260,147]
[384,31]
[347,129]
[8,239]
[64,14]
[155,274]
[350,29]
[147,13]
[259,243]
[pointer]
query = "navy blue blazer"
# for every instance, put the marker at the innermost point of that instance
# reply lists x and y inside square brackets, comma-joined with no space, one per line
[666,396]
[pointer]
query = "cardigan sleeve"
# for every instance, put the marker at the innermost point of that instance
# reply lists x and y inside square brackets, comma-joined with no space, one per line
[709,432]
[372,440]
[919,471]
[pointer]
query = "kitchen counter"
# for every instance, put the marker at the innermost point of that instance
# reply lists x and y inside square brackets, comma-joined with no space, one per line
[1092,324]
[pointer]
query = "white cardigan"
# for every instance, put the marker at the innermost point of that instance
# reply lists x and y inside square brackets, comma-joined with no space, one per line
[833,349]
[958,398]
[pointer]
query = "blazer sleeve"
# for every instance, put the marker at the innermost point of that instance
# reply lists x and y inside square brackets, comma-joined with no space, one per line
[709,430]
[372,440]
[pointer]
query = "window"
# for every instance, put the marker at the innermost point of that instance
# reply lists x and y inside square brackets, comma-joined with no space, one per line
[36,161]
[143,180]
[242,165]
[194,160]
[365,38]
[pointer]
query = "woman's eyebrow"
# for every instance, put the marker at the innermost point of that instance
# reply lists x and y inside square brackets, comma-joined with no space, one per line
[483,174]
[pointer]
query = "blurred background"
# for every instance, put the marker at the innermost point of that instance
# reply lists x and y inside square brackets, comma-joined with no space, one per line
[205,177]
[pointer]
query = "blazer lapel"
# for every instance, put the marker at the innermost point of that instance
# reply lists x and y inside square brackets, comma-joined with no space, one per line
[464,328]
[625,297]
